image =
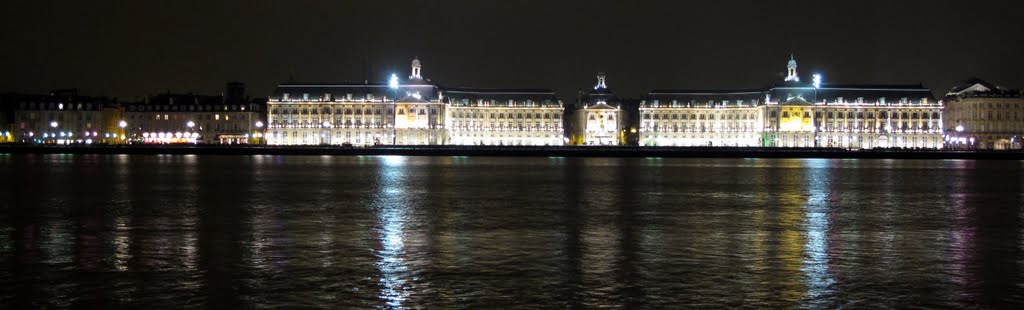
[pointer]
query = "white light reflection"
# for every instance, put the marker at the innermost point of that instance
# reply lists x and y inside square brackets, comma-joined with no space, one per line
[391,213]
[122,243]
[817,276]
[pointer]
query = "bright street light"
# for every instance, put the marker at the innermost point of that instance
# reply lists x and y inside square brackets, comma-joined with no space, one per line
[393,82]
[122,124]
[53,124]
[259,124]
[959,128]
[190,124]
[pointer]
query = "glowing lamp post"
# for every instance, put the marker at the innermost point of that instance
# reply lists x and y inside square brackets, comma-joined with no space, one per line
[122,124]
[53,124]
[259,132]
[191,125]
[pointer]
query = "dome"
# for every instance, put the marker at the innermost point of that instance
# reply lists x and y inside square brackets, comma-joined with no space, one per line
[792,62]
[416,62]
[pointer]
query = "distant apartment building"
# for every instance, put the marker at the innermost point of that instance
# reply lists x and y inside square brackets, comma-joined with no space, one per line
[191,119]
[983,115]
[61,117]
[794,114]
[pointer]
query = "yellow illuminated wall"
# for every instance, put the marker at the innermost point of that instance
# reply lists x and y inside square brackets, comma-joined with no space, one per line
[796,118]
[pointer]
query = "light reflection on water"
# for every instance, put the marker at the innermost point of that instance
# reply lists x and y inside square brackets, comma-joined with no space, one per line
[391,208]
[440,232]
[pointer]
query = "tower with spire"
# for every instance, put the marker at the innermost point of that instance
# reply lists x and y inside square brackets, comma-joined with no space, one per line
[791,68]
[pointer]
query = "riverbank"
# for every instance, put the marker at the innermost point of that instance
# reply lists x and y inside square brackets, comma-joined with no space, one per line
[514,151]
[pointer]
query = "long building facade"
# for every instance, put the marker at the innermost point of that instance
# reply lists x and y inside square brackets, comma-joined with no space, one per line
[503,117]
[795,114]
[411,112]
[61,117]
[194,119]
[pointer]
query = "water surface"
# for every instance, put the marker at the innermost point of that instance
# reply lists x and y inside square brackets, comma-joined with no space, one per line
[472,232]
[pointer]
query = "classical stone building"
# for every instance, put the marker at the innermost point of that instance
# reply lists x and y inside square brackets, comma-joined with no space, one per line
[411,111]
[61,117]
[795,114]
[190,118]
[503,117]
[983,115]
[599,117]
[408,112]
[702,118]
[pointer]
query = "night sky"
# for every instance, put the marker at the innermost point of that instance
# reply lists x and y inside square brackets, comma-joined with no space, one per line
[133,48]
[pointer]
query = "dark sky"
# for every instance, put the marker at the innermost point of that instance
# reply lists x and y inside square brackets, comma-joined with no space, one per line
[133,48]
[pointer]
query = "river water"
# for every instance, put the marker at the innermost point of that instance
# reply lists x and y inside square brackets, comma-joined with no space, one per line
[478,232]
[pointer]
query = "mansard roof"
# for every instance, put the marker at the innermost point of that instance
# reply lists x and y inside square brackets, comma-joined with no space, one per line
[795,93]
[702,97]
[472,96]
[830,93]
[338,91]
[975,87]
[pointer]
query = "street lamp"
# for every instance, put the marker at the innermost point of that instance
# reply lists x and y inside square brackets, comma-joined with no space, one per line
[122,124]
[959,128]
[259,132]
[191,126]
[53,124]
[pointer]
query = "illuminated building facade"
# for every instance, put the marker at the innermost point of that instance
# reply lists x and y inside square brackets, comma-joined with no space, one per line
[599,117]
[982,115]
[61,117]
[702,118]
[411,112]
[189,118]
[503,117]
[795,114]
[357,114]
[853,116]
